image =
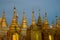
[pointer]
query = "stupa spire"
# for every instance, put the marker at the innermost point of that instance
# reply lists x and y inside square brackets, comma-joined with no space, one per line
[15,13]
[3,14]
[39,22]
[33,24]
[45,23]
[33,19]
[24,21]
[39,17]
[24,16]
[45,18]
[4,22]
[14,19]
[39,12]
[14,27]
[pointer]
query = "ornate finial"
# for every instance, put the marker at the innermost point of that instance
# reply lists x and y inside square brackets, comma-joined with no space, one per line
[24,17]
[3,15]
[15,14]
[56,18]
[39,12]
[14,6]
[45,15]
[14,9]
[39,17]
[23,13]
[32,14]
[32,10]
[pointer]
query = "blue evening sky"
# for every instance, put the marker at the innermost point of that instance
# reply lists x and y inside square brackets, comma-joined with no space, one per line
[52,8]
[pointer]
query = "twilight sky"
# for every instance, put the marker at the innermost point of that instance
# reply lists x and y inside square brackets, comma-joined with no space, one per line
[52,8]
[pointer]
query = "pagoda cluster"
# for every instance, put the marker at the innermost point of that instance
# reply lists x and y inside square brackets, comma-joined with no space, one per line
[36,31]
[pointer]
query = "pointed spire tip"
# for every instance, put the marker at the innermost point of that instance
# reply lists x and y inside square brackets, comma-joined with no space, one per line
[3,15]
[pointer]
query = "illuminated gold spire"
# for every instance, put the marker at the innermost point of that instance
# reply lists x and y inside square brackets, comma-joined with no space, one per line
[39,23]
[14,22]
[15,15]
[4,22]
[45,18]
[39,18]
[24,21]
[33,19]
[45,23]
[33,24]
